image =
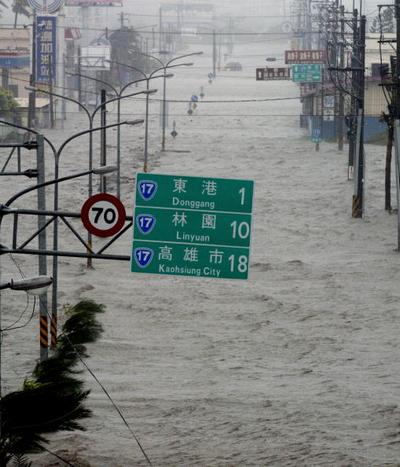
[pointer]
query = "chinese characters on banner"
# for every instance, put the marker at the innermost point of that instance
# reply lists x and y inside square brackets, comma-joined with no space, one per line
[294,57]
[192,226]
[272,74]
[46,49]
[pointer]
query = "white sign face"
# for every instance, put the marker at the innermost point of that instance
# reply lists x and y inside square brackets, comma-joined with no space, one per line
[45,6]
[329,115]
[103,215]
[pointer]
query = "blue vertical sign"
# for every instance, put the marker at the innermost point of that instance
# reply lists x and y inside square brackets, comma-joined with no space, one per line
[46,49]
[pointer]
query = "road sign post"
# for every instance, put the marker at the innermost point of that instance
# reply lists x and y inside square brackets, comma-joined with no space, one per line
[192,226]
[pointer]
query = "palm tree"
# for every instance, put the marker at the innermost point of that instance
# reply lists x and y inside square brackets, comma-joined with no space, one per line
[53,399]
[20,7]
[2,5]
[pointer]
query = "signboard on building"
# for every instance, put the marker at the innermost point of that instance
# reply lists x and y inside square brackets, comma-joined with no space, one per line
[294,57]
[46,49]
[272,74]
[307,73]
[307,88]
[329,108]
[15,58]
[192,226]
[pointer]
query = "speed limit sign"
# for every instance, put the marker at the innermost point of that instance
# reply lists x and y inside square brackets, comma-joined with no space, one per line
[103,215]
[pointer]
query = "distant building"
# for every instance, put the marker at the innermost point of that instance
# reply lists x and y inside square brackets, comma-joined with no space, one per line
[15,54]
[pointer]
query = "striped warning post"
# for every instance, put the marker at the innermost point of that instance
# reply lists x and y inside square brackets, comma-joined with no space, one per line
[53,331]
[357,207]
[44,332]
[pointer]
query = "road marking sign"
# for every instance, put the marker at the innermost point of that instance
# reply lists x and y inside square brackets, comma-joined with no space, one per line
[145,223]
[192,226]
[103,215]
[143,256]
[147,189]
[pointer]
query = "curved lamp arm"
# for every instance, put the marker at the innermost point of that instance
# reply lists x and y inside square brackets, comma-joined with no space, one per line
[31,131]
[94,79]
[69,177]
[151,91]
[184,56]
[128,66]
[50,93]
[153,57]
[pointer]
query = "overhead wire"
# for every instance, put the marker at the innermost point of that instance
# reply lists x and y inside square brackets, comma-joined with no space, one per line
[118,410]
[12,327]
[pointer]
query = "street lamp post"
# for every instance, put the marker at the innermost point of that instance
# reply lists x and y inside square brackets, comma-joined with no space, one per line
[32,284]
[38,283]
[57,155]
[91,116]
[146,78]
[165,66]
[119,94]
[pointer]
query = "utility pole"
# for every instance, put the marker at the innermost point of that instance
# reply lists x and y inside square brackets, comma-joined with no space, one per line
[397,117]
[341,93]
[214,54]
[354,101]
[103,139]
[359,169]
[160,29]
[32,80]
[41,203]
[80,77]
[52,123]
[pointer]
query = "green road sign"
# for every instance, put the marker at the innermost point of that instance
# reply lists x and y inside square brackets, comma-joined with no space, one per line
[190,260]
[307,73]
[199,193]
[192,226]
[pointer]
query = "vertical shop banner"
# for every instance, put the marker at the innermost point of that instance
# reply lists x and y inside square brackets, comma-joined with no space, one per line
[46,49]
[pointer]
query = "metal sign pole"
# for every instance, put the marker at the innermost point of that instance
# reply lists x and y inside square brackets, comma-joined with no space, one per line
[41,197]
[397,163]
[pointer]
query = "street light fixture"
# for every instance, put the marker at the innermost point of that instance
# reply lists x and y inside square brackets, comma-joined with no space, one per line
[146,78]
[91,117]
[57,155]
[165,66]
[28,284]
[105,169]
[37,285]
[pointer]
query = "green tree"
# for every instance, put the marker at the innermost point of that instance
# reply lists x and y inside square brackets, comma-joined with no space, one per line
[53,399]
[2,5]
[20,7]
[385,23]
[7,102]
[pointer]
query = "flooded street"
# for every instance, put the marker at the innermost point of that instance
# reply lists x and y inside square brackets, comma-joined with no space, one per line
[299,365]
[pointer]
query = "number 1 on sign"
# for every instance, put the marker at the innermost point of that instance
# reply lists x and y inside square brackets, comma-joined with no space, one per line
[242,193]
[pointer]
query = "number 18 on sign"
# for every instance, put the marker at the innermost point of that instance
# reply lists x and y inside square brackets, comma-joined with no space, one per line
[192,226]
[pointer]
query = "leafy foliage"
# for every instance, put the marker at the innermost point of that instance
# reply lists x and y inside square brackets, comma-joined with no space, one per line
[21,7]
[53,399]
[7,102]
[386,24]
[2,5]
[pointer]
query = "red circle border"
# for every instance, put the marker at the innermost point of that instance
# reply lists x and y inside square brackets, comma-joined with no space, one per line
[103,197]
